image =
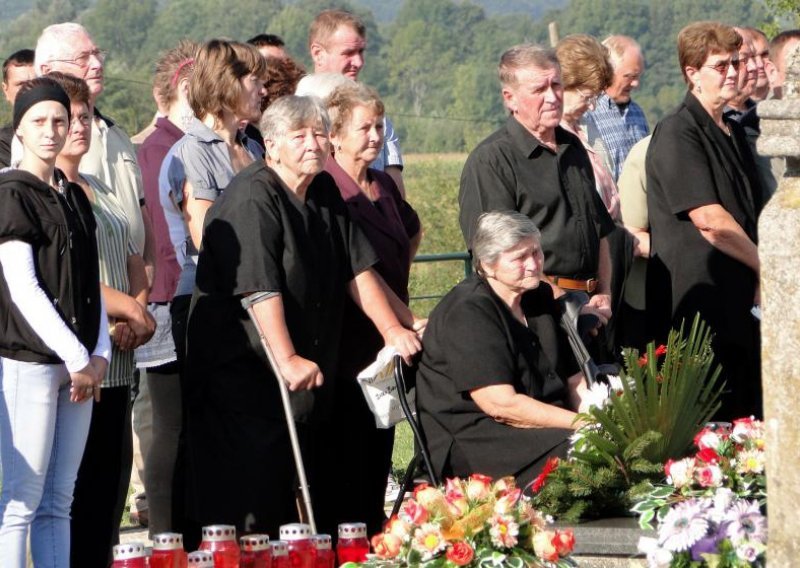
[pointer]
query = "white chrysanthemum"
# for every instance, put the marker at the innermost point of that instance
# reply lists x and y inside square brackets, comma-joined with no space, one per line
[750,461]
[657,557]
[683,526]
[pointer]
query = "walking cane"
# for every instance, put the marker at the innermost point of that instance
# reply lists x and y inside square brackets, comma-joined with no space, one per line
[247,304]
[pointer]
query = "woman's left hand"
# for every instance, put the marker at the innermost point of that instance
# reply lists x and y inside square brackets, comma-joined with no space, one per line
[419,326]
[405,341]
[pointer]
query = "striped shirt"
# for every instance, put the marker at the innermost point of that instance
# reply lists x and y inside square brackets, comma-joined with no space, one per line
[114,246]
[617,127]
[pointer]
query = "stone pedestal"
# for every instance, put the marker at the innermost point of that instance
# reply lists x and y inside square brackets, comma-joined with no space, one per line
[779,252]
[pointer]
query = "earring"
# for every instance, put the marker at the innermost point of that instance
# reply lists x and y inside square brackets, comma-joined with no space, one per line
[699,90]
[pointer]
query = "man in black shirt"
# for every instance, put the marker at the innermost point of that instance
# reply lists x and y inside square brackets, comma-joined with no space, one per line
[17,69]
[533,166]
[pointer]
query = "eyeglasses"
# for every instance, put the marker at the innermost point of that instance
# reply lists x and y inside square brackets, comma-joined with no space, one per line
[721,67]
[590,100]
[82,59]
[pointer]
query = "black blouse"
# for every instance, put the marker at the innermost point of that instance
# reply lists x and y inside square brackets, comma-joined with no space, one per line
[472,341]
[260,237]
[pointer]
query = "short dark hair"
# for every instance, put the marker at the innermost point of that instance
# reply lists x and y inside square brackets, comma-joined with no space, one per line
[77,90]
[21,58]
[264,40]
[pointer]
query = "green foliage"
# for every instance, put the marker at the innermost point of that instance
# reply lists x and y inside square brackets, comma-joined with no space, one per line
[652,417]
[433,61]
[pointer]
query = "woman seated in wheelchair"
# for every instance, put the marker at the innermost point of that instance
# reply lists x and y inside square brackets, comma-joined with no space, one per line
[497,390]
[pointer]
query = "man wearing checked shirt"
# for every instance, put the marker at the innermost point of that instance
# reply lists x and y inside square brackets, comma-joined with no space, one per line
[617,123]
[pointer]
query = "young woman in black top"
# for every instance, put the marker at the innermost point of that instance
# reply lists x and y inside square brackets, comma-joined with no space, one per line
[54,349]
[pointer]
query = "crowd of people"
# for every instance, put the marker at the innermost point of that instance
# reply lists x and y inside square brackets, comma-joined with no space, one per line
[123,268]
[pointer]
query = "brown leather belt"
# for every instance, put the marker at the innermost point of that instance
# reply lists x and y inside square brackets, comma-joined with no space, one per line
[570,284]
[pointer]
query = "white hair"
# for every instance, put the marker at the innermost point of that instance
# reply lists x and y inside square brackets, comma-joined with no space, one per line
[321,85]
[56,42]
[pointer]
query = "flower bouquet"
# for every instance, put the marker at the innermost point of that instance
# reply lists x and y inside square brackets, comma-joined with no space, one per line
[711,510]
[719,531]
[471,522]
[651,414]
[730,457]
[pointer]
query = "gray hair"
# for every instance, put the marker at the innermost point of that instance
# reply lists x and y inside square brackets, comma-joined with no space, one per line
[56,42]
[321,85]
[523,56]
[497,232]
[617,46]
[291,113]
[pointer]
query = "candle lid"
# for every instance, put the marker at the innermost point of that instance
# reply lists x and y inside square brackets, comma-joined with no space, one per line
[201,559]
[219,533]
[254,542]
[295,531]
[322,541]
[279,548]
[352,530]
[168,541]
[129,551]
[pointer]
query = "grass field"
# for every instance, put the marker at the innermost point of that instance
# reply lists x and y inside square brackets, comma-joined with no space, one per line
[431,182]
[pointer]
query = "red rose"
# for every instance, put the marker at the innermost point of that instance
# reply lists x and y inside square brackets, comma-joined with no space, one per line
[564,542]
[460,553]
[415,512]
[708,455]
[538,483]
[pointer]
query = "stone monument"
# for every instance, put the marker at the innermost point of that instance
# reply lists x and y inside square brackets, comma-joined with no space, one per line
[779,251]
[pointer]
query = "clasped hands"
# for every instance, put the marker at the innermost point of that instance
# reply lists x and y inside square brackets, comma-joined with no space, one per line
[135,331]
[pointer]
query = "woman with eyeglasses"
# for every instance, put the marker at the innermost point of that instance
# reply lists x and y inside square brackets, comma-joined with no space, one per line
[586,72]
[703,203]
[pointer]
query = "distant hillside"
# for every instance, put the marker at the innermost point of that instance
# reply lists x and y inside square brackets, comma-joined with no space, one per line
[386,10]
[10,9]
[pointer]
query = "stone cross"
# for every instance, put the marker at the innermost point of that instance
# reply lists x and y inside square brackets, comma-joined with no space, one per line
[779,251]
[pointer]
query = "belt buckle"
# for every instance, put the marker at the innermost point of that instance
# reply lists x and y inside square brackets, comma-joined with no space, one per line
[591,285]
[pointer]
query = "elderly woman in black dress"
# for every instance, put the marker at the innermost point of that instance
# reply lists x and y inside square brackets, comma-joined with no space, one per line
[496,391]
[279,227]
[703,199]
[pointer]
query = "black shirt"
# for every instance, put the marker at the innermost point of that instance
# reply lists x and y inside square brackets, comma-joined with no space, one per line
[6,135]
[61,231]
[512,171]
[472,341]
[258,236]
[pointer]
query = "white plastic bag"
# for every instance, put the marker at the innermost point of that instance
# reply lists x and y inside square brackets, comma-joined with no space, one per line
[379,388]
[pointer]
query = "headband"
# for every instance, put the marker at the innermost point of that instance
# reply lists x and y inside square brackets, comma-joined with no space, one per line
[42,91]
[184,63]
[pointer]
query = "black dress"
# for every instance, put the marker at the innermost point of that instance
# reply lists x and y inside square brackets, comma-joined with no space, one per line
[388,223]
[690,163]
[260,237]
[472,341]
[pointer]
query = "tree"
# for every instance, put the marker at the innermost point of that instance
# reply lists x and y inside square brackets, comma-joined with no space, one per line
[121,27]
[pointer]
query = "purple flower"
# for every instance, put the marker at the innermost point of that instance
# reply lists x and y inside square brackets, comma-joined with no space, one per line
[683,526]
[706,545]
[746,522]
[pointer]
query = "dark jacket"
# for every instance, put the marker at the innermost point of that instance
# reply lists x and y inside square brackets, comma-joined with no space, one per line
[60,227]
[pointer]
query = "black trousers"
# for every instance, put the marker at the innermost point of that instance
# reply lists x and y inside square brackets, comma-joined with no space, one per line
[95,511]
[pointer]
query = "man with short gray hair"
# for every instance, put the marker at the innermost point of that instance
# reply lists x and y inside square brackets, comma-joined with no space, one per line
[616,121]
[534,166]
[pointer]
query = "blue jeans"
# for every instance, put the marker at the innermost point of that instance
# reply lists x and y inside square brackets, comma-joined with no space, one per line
[42,437]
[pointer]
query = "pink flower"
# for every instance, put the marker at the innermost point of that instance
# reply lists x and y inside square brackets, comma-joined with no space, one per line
[709,476]
[397,527]
[503,530]
[505,504]
[543,546]
[707,439]
[478,487]
[564,542]
[460,553]
[680,473]
[415,513]
[386,546]
[707,455]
